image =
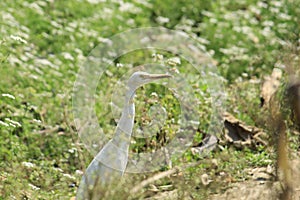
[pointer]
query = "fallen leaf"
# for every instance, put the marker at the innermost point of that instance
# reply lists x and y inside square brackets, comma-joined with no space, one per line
[240,134]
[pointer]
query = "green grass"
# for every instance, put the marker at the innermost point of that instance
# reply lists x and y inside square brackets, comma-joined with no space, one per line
[43,44]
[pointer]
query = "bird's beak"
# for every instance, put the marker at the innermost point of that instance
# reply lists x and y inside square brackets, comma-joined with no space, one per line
[156,76]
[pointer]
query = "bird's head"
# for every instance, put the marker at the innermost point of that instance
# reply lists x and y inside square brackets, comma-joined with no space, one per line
[139,78]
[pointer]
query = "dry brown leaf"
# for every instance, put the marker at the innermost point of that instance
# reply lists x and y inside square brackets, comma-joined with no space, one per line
[240,134]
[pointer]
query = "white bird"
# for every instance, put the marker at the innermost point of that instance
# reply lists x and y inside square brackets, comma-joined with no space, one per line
[110,163]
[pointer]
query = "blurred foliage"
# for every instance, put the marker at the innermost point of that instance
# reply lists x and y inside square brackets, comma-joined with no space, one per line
[43,43]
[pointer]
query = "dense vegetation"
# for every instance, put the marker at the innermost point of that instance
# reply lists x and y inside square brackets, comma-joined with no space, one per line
[43,44]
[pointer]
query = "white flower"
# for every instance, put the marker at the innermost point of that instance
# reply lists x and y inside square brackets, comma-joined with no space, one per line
[105,40]
[58,169]
[18,38]
[162,20]
[9,96]
[33,187]
[157,56]
[174,61]
[37,120]
[277,3]
[268,23]
[69,176]
[129,7]
[13,123]
[44,62]
[284,16]
[3,124]
[72,150]
[274,10]
[96,1]
[120,65]
[79,172]
[154,94]
[28,164]
[262,4]
[174,70]
[67,56]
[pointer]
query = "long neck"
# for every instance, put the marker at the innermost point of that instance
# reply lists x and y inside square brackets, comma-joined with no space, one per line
[124,128]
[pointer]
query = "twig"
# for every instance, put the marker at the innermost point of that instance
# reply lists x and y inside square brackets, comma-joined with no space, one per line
[152,179]
[159,176]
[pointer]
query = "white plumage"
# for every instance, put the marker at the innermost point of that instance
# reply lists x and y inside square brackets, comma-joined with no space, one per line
[110,163]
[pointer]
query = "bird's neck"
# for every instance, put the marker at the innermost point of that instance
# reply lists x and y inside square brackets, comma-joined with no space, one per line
[124,128]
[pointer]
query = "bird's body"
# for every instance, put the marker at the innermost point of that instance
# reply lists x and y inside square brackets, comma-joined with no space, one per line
[110,163]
